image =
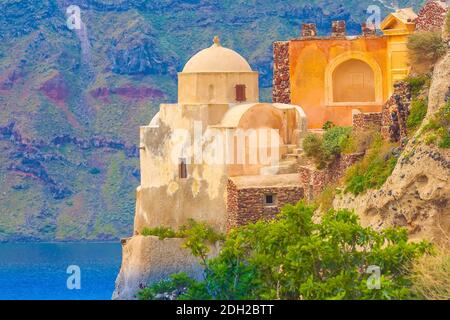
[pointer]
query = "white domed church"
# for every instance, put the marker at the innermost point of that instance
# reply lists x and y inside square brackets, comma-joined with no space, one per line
[185,166]
[217,156]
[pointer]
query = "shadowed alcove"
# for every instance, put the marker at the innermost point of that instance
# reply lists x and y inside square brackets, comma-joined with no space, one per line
[353,81]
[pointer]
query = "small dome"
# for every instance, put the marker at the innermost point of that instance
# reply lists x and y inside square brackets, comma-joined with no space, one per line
[217,59]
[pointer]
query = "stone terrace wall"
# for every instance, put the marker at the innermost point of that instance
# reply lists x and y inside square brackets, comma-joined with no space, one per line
[281,78]
[246,205]
[395,113]
[432,16]
[367,120]
[315,181]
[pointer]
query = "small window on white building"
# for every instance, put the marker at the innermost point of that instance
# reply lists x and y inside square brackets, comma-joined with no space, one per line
[240,93]
[270,200]
[211,93]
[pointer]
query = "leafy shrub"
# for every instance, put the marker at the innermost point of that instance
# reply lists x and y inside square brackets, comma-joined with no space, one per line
[176,282]
[293,257]
[445,142]
[417,113]
[431,276]
[324,149]
[426,46]
[431,138]
[373,170]
[335,139]
[197,236]
[161,232]
[328,125]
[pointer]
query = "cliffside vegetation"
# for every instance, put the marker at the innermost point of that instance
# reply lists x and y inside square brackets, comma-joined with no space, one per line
[324,149]
[375,167]
[436,130]
[371,172]
[431,276]
[425,48]
[293,257]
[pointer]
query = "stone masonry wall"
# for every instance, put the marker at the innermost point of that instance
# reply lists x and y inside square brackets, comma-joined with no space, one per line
[432,16]
[281,78]
[367,120]
[246,205]
[395,113]
[367,30]
[309,30]
[338,28]
[315,181]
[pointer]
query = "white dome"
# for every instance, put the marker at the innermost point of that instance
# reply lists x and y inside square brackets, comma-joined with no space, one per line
[217,59]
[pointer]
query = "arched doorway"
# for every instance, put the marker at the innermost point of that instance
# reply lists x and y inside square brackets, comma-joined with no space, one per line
[353,81]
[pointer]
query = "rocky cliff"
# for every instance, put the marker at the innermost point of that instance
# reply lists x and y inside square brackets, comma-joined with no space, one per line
[417,194]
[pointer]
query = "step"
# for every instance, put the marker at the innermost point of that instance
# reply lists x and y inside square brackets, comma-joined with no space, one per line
[284,167]
[290,156]
[290,147]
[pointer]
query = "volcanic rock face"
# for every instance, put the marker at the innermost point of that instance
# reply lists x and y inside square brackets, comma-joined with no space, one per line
[281,85]
[432,15]
[417,195]
[395,113]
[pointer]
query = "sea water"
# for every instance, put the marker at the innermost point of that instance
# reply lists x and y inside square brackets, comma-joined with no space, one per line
[41,270]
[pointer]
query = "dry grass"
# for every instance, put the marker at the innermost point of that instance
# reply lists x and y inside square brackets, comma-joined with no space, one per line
[431,276]
[425,48]
[360,140]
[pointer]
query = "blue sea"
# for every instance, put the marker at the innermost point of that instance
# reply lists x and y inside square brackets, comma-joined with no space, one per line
[31,271]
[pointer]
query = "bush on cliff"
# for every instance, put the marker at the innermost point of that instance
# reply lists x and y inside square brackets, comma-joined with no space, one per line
[437,130]
[417,113]
[325,149]
[418,83]
[198,236]
[374,169]
[426,47]
[294,257]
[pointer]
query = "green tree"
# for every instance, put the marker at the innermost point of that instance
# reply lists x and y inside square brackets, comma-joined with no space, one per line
[293,257]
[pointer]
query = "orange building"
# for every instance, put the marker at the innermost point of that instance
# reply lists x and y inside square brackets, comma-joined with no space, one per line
[333,77]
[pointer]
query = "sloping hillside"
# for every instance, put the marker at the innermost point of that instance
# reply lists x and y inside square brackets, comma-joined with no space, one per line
[416,195]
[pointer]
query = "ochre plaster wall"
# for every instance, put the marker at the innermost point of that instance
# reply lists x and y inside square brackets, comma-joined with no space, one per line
[309,61]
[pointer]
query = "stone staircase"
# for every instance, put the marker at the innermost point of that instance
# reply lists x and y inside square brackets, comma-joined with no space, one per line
[290,156]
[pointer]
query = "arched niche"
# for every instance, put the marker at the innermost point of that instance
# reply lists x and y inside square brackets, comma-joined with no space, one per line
[353,79]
